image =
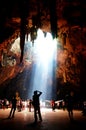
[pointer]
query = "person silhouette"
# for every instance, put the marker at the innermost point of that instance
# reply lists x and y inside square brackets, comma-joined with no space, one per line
[13,107]
[53,105]
[70,105]
[36,105]
[30,104]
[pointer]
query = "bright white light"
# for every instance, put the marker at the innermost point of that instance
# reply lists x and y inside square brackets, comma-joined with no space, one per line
[44,47]
[45,54]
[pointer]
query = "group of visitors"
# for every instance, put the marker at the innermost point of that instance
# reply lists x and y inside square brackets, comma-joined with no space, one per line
[36,105]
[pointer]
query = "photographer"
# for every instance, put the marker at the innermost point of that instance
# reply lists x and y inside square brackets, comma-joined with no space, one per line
[36,105]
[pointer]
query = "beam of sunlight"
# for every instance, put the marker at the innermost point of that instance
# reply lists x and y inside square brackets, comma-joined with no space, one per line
[44,65]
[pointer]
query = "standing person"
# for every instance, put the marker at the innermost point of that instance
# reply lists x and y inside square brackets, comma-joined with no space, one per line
[13,107]
[70,105]
[53,105]
[30,104]
[36,105]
